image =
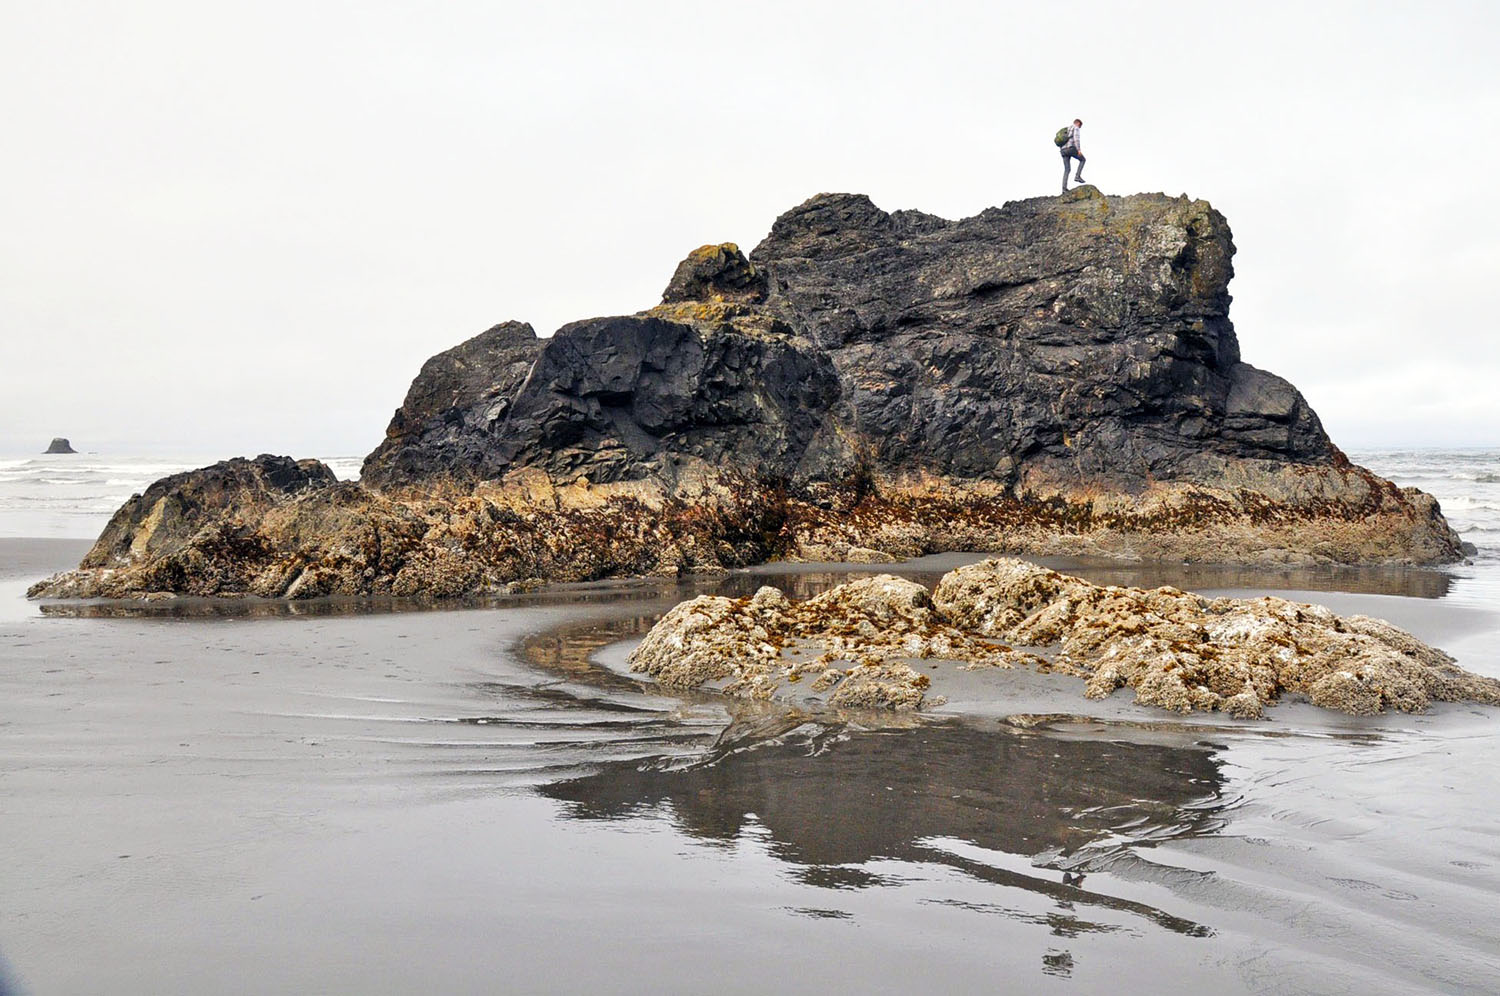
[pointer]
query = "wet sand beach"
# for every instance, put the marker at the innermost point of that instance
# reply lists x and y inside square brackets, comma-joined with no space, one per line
[322,799]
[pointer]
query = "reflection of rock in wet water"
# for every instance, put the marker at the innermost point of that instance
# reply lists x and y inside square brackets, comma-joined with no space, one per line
[834,792]
[658,593]
[653,591]
[831,799]
[568,649]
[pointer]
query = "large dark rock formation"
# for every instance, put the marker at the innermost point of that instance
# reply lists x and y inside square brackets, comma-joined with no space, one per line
[59,445]
[1057,375]
[1082,339]
[1088,338]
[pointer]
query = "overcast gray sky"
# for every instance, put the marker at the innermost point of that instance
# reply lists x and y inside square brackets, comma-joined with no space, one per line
[237,227]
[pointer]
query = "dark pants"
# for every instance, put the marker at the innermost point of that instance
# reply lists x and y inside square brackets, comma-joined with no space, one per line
[1071,153]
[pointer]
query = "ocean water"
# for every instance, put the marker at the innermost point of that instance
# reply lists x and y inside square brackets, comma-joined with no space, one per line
[1465,481]
[72,496]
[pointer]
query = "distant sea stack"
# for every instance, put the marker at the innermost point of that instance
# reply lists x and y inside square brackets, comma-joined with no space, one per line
[1055,376]
[60,445]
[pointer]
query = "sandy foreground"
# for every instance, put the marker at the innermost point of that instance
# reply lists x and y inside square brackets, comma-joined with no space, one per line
[463,799]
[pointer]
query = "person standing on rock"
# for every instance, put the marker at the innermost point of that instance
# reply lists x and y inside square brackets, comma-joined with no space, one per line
[1073,149]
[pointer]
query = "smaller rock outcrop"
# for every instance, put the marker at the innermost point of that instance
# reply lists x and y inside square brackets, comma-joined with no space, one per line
[854,639]
[198,524]
[59,445]
[1182,651]
[717,274]
[1177,650]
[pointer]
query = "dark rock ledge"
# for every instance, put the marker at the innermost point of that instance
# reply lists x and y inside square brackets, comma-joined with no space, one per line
[1058,375]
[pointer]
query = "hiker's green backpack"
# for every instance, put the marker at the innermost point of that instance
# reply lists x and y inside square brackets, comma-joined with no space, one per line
[1061,138]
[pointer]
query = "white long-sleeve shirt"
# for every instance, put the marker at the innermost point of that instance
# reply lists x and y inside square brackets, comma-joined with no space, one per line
[1074,142]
